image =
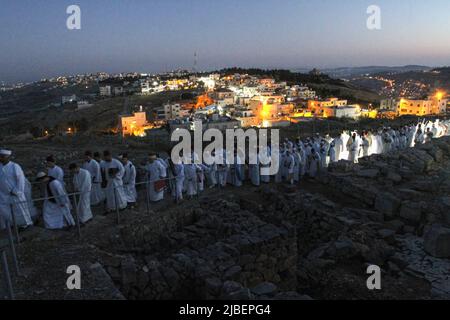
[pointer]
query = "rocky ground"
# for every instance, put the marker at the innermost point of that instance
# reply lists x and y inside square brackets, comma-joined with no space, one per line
[311,241]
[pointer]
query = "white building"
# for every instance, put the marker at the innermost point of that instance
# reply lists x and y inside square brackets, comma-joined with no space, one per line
[350,111]
[83,104]
[106,91]
[146,87]
[69,99]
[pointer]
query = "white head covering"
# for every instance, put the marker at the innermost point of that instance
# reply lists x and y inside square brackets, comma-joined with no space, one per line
[4,152]
[41,175]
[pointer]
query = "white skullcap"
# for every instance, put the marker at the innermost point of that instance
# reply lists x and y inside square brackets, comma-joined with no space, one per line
[4,152]
[41,175]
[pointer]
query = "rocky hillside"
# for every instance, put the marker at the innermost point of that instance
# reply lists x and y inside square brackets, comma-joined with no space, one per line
[314,240]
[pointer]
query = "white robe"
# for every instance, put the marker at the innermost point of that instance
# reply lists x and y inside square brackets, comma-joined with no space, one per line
[254,173]
[97,194]
[222,170]
[297,165]
[323,157]
[12,195]
[236,172]
[365,147]
[57,173]
[177,181]
[115,196]
[288,166]
[201,174]
[191,179]
[333,152]
[29,197]
[57,206]
[314,164]
[265,155]
[82,182]
[281,170]
[129,182]
[155,172]
[212,175]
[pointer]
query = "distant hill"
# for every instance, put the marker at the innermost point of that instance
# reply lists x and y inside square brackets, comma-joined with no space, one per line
[352,72]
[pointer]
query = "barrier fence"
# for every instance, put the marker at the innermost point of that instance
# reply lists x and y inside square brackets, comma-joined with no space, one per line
[12,231]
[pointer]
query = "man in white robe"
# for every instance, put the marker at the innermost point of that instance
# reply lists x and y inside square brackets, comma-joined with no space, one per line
[222,169]
[129,180]
[254,168]
[53,170]
[155,173]
[191,179]
[29,197]
[281,170]
[82,182]
[332,152]
[264,160]
[236,172]
[91,165]
[254,173]
[56,210]
[420,137]
[176,179]
[288,166]
[211,169]
[313,163]
[323,155]
[297,164]
[365,146]
[201,175]
[114,171]
[12,192]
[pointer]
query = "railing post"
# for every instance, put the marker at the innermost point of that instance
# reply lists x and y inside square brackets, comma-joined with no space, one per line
[77,215]
[7,275]
[117,205]
[147,199]
[16,228]
[12,247]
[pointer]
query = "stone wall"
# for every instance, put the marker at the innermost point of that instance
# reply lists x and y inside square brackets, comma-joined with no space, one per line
[215,250]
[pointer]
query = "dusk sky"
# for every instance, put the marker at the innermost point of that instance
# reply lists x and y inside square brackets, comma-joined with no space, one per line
[160,35]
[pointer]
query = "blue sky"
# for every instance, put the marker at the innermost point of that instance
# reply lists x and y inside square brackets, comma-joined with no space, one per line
[159,35]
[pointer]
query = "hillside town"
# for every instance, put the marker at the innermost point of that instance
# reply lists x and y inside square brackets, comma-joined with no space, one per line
[242,101]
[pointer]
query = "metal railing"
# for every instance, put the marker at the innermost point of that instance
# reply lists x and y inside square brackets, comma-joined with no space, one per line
[4,261]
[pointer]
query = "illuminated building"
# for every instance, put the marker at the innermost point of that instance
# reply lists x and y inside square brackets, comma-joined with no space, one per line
[324,108]
[439,105]
[436,104]
[414,107]
[133,125]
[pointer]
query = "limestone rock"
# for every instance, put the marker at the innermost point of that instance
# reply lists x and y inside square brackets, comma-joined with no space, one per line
[368,173]
[411,211]
[437,241]
[387,204]
[265,289]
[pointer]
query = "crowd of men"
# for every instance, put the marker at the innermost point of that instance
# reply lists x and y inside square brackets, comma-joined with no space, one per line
[102,179]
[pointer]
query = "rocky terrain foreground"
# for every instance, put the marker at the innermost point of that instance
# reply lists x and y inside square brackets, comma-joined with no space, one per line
[311,241]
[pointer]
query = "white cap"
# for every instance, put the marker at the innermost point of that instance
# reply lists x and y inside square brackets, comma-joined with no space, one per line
[41,175]
[4,152]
